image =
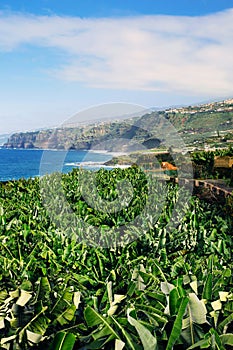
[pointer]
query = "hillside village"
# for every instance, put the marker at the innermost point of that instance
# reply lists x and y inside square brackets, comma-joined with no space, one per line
[222,106]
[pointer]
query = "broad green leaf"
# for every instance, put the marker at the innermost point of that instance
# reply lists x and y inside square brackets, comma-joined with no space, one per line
[67,315]
[173,298]
[201,344]
[83,280]
[191,333]
[44,288]
[196,314]
[179,286]
[93,318]
[216,342]
[63,341]
[227,339]
[151,311]
[149,342]
[177,326]
[105,331]
[127,336]
[64,300]
[157,296]
[97,344]
[26,285]
[38,324]
[208,286]
[157,269]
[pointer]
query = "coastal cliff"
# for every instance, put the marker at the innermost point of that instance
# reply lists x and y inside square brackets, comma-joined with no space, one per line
[89,137]
[194,124]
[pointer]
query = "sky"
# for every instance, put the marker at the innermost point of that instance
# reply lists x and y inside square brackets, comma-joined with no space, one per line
[58,57]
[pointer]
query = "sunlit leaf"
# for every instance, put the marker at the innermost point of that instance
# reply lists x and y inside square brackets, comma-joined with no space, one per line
[63,341]
[149,342]
[24,298]
[216,305]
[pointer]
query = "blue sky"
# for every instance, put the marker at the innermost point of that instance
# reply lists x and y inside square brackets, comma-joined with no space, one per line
[102,8]
[59,57]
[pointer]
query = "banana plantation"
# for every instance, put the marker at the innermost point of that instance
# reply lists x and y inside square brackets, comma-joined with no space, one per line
[127,276]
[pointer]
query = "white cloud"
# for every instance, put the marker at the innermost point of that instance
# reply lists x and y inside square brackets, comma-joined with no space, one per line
[162,53]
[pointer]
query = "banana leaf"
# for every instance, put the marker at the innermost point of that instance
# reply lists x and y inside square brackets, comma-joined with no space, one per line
[177,326]
[63,341]
[149,342]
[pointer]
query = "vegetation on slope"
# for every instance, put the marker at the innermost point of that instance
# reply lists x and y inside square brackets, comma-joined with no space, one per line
[194,124]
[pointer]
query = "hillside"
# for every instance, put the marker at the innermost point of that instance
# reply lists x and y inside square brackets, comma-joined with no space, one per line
[197,124]
[212,122]
[129,133]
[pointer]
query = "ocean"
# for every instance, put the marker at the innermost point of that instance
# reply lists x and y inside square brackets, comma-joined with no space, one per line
[26,163]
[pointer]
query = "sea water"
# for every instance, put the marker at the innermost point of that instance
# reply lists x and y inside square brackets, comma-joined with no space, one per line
[26,163]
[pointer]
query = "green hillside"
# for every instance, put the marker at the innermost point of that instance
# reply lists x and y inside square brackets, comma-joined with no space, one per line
[211,122]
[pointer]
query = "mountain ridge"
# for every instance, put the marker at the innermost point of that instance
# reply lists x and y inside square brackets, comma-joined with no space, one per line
[191,122]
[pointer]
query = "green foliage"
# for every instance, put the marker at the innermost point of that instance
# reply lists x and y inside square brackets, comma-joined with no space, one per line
[171,288]
[63,341]
[203,162]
